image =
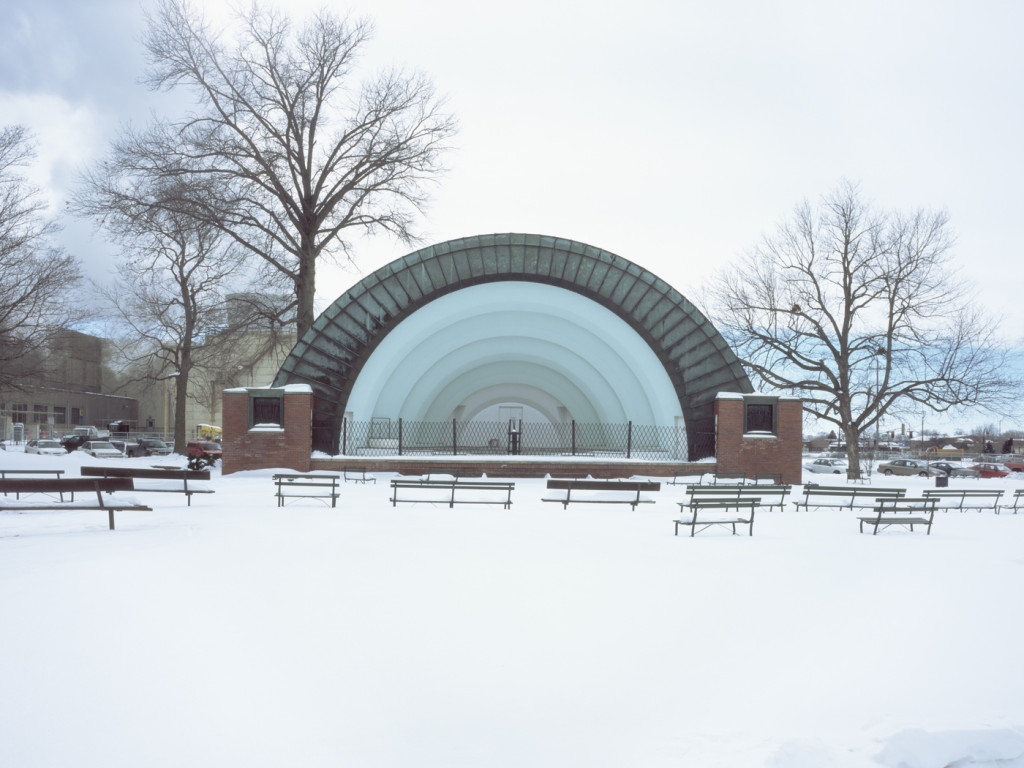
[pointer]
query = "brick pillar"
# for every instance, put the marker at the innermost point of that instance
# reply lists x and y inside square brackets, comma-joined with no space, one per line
[777,451]
[289,446]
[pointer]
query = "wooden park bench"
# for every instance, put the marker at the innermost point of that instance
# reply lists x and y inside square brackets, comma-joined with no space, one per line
[903,512]
[98,485]
[705,513]
[1018,501]
[686,477]
[172,475]
[766,495]
[357,475]
[452,491]
[965,498]
[729,478]
[306,486]
[601,491]
[845,497]
[38,473]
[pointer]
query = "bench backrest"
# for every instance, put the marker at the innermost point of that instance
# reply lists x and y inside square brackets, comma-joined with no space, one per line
[839,490]
[699,505]
[949,492]
[65,484]
[334,478]
[715,491]
[556,484]
[31,472]
[906,505]
[729,477]
[145,473]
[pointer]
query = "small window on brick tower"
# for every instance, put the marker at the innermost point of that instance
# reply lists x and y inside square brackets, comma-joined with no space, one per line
[760,418]
[266,410]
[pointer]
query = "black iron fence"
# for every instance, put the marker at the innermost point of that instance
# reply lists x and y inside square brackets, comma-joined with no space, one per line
[387,437]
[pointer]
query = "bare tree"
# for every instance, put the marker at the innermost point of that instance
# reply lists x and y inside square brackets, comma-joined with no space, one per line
[175,272]
[306,155]
[862,314]
[36,278]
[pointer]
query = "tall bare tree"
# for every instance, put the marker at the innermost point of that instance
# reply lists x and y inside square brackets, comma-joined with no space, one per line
[36,277]
[175,273]
[307,155]
[862,313]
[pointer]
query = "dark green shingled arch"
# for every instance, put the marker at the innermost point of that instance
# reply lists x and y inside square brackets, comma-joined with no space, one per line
[331,354]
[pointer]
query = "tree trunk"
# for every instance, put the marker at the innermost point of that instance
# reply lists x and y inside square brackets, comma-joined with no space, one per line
[852,449]
[180,400]
[305,286]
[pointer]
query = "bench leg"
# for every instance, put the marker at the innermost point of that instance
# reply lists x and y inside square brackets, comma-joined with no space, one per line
[110,514]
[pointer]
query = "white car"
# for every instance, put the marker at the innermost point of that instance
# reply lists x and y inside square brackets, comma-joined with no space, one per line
[827,466]
[45,447]
[101,449]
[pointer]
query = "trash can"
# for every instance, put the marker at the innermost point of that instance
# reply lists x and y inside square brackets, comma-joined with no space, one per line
[942,481]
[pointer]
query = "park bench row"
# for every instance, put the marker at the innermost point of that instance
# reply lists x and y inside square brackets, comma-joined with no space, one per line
[961,499]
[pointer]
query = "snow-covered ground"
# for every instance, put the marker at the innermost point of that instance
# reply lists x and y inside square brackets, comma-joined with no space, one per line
[235,633]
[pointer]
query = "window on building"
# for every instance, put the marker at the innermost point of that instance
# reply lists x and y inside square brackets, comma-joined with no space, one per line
[266,410]
[19,412]
[759,417]
[60,414]
[40,413]
[76,416]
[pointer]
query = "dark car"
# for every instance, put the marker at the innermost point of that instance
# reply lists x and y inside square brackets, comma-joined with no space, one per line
[128,447]
[154,447]
[203,453]
[954,470]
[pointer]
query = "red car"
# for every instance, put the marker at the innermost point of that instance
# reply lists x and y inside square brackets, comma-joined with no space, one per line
[991,470]
[1012,461]
[202,453]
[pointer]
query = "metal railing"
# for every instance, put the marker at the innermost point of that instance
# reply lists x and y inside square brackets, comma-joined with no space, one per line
[385,437]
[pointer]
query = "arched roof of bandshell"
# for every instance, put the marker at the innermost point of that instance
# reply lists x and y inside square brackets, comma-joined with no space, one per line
[334,351]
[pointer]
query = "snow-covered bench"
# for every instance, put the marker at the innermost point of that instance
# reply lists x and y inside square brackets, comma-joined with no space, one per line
[903,512]
[844,497]
[452,491]
[98,485]
[966,498]
[175,480]
[592,491]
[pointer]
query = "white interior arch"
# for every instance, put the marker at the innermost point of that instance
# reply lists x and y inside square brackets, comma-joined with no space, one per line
[519,339]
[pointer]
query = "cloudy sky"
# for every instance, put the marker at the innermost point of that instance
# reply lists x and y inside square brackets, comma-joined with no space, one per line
[670,132]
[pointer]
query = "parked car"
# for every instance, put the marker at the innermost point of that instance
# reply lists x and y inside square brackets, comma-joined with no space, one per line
[954,470]
[908,467]
[987,469]
[827,466]
[45,447]
[202,453]
[1012,461]
[151,446]
[101,449]
[128,447]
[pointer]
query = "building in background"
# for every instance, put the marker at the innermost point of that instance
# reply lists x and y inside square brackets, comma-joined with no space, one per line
[72,388]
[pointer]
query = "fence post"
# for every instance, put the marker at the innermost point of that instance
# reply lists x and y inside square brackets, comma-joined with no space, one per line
[344,437]
[574,437]
[455,447]
[399,435]
[629,440]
